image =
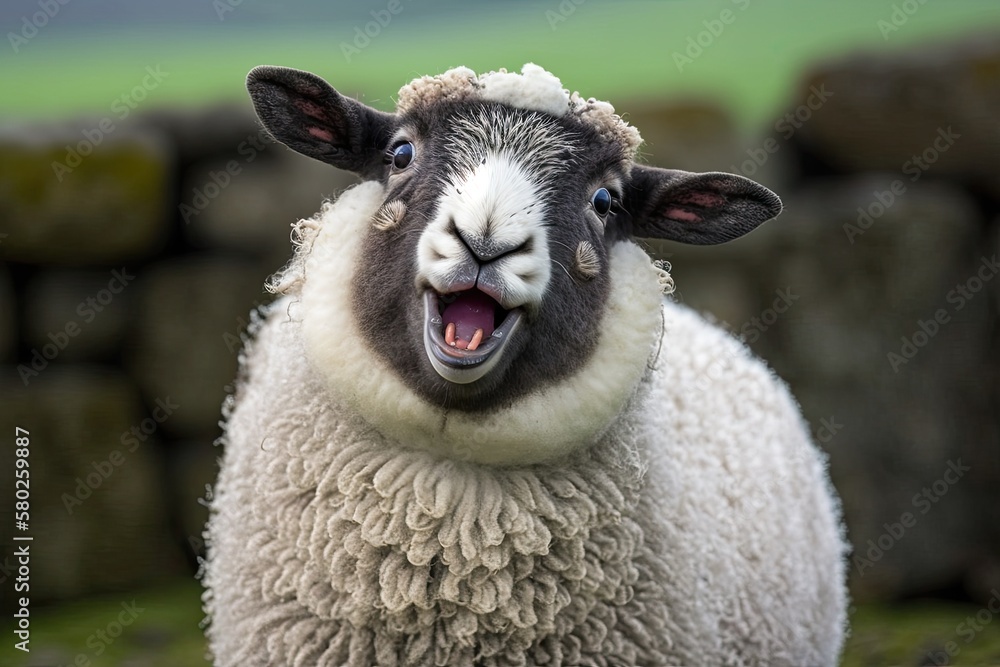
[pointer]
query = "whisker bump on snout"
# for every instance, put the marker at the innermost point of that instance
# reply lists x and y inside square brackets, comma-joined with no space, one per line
[389,215]
[586,261]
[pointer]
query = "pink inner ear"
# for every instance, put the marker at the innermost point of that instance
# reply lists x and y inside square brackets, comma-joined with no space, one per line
[310,109]
[681,215]
[706,199]
[320,133]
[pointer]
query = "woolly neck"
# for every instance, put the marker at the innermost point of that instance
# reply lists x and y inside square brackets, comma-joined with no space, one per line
[545,425]
[404,553]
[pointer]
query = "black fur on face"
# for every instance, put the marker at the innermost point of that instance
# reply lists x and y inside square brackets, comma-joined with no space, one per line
[562,332]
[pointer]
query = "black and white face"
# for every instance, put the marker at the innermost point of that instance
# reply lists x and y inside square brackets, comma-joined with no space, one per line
[484,274]
[490,211]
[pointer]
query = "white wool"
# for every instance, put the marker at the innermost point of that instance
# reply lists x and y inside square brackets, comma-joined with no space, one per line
[534,89]
[334,545]
[456,84]
[699,528]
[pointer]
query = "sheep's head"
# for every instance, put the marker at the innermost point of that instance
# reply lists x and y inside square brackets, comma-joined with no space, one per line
[485,271]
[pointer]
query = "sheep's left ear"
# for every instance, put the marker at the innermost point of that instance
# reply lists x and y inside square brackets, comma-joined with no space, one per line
[700,209]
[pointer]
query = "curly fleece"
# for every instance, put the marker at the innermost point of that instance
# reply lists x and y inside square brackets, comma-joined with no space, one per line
[696,528]
[534,88]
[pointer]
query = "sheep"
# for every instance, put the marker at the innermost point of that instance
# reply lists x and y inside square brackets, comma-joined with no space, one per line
[473,431]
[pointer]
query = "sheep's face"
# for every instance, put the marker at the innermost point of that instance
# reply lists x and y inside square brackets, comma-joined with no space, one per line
[484,274]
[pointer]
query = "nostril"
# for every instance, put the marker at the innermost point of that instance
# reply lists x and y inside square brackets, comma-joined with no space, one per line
[464,241]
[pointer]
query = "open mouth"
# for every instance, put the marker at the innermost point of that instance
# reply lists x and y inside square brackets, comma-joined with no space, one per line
[466,333]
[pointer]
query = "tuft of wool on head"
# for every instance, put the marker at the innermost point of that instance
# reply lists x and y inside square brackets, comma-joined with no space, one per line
[534,89]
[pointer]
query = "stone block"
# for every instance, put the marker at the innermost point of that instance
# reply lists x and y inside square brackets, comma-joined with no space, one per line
[69,199]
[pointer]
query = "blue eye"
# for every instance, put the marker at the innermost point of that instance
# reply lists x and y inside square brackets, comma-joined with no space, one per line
[402,155]
[601,201]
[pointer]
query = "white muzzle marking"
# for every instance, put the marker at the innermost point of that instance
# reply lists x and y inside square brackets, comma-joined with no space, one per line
[500,205]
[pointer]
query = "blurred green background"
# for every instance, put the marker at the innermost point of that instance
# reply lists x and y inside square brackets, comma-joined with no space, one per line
[91,53]
[150,97]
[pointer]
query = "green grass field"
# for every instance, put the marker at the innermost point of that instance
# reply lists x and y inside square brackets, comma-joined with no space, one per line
[620,50]
[167,634]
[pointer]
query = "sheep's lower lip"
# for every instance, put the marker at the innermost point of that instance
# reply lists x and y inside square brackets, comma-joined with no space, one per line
[458,365]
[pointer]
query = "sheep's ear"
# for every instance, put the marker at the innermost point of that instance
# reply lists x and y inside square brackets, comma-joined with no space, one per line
[305,113]
[701,209]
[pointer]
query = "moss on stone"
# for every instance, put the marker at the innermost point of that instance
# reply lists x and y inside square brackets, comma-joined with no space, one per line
[111,207]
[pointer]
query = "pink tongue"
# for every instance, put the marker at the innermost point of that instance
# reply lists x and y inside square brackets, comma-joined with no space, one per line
[470,311]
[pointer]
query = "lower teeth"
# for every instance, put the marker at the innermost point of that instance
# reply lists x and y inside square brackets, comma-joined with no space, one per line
[449,338]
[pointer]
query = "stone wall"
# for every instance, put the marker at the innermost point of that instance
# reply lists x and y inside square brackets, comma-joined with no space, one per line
[129,274]
[875,296]
[130,268]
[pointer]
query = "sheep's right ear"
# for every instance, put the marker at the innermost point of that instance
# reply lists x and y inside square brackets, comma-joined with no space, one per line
[305,113]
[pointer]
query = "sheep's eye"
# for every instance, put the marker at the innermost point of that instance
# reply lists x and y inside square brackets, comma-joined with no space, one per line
[402,155]
[601,200]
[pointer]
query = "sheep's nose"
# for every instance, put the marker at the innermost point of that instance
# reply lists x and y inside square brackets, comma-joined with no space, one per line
[486,248]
